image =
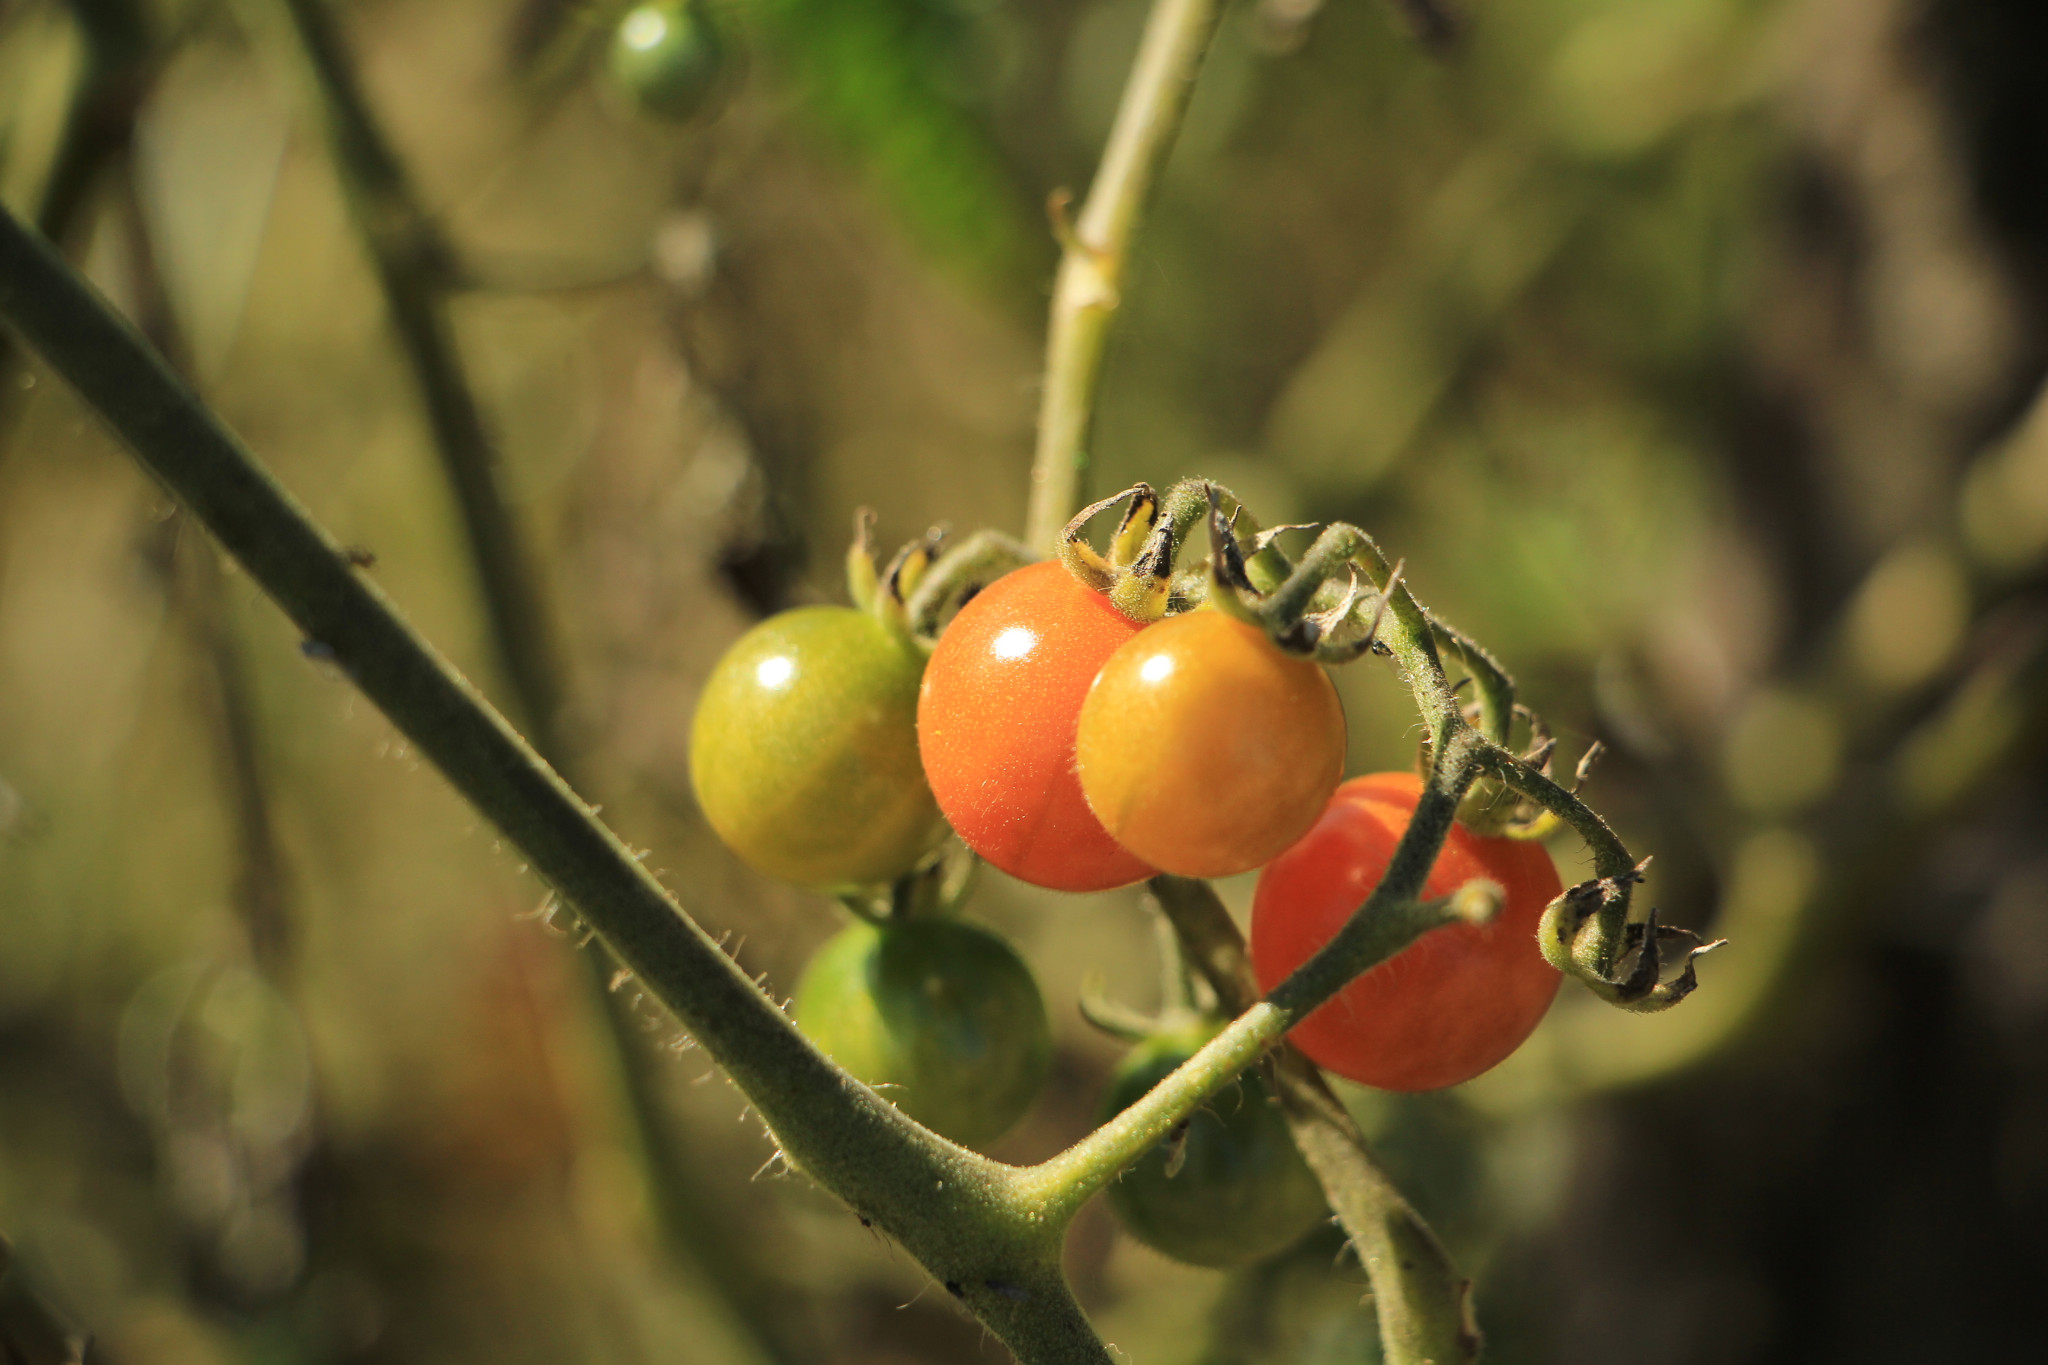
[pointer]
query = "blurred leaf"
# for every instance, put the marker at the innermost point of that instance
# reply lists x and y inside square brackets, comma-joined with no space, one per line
[893,82]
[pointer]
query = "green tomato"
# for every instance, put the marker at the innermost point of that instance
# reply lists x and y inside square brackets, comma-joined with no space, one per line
[804,756]
[942,1017]
[666,57]
[1242,1192]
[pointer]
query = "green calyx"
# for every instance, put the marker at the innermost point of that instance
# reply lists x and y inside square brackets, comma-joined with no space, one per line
[927,579]
[1323,607]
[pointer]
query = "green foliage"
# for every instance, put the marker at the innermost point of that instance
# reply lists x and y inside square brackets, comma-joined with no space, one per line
[892,83]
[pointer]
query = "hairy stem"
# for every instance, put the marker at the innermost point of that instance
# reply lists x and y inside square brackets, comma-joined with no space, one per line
[1089,287]
[954,1211]
[416,270]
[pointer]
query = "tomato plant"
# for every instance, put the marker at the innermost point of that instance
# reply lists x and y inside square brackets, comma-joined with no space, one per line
[1451,1004]
[996,721]
[803,753]
[666,57]
[1240,1191]
[1206,751]
[941,1016]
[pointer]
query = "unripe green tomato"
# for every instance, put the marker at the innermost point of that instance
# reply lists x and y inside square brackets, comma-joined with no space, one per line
[1242,1192]
[665,57]
[803,753]
[940,1016]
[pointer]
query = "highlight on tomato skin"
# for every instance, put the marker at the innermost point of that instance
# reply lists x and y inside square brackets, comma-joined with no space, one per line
[995,721]
[1206,751]
[1452,1004]
[803,750]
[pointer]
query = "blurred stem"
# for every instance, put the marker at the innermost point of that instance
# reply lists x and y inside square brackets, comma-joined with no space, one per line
[99,128]
[1097,250]
[260,895]
[1421,1299]
[193,589]
[31,1331]
[417,270]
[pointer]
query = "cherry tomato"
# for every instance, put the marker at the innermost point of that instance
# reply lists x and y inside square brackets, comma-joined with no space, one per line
[942,1017]
[1242,1192]
[995,722]
[665,57]
[1451,1004]
[804,750]
[1206,751]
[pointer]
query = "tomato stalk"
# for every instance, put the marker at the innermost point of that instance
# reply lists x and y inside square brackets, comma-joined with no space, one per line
[1097,245]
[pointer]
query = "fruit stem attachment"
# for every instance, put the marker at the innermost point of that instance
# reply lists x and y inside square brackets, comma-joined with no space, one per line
[1422,1302]
[1097,246]
[1389,921]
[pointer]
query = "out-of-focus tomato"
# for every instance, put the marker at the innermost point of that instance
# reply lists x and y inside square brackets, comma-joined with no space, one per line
[1241,1193]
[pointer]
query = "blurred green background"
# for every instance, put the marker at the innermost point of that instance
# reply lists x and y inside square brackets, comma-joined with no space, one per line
[1687,350]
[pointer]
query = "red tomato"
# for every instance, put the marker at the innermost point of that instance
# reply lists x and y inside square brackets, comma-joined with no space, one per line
[1450,1005]
[995,723]
[1205,750]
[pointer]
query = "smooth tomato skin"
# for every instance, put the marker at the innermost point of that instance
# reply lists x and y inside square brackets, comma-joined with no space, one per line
[942,1017]
[1204,750]
[803,753]
[1453,1003]
[995,722]
[665,57]
[1243,1193]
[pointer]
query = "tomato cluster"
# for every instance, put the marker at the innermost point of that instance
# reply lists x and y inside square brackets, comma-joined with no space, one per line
[1080,748]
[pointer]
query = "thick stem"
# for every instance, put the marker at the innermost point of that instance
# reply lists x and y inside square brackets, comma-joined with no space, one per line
[1089,287]
[416,269]
[952,1209]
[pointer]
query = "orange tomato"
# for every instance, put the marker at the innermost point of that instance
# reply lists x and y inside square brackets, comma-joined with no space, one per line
[1206,751]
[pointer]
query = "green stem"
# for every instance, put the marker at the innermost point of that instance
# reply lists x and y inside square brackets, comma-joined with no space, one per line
[1390,920]
[953,1210]
[1089,287]
[416,269]
[1420,1297]
[1611,857]
[1496,689]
